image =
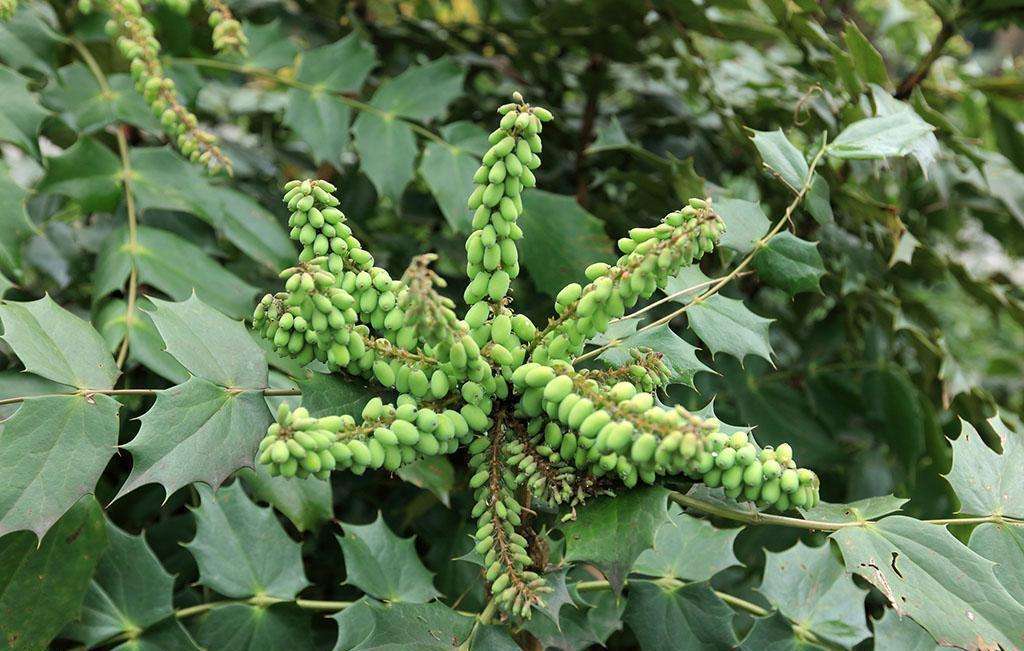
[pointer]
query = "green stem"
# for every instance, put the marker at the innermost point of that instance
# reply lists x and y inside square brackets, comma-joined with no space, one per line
[270,75]
[139,392]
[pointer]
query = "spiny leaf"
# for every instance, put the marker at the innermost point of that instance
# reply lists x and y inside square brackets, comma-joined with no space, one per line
[810,586]
[306,502]
[680,355]
[52,452]
[383,565]
[240,627]
[42,583]
[88,173]
[726,325]
[195,432]
[424,627]
[987,482]
[56,344]
[387,150]
[688,548]
[242,550]
[14,223]
[421,92]
[791,264]
[687,617]
[209,344]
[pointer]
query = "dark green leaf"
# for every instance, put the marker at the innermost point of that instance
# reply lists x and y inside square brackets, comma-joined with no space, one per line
[87,108]
[52,452]
[324,394]
[22,114]
[88,173]
[14,223]
[563,240]
[687,617]
[436,474]
[896,632]
[688,548]
[130,591]
[321,120]
[774,633]
[173,265]
[383,565]
[612,532]
[583,627]
[168,634]
[196,431]
[810,587]
[269,46]
[987,482]
[42,583]
[306,502]
[726,325]
[209,344]
[866,59]
[859,511]
[241,548]
[448,172]
[341,66]
[1003,544]
[14,384]
[898,412]
[745,224]
[780,156]
[239,627]
[421,92]
[791,264]
[163,179]
[56,344]
[389,627]
[146,346]
[926,573]
[387,151]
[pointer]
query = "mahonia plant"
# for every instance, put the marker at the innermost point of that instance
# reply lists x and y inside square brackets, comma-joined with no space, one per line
[133,34]
[535,427]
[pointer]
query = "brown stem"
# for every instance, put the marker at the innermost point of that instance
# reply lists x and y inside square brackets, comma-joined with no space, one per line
[590,111]
[916,76]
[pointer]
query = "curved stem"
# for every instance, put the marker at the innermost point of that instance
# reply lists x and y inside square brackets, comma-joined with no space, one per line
[270,75]
[129,199]
[139,392]
[916,76]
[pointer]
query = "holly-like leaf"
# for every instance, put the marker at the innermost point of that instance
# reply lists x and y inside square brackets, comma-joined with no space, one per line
[926,573]
[383,565]
[52,452]
[130,591]
[306,502]
[895,134]
[20,384]
[173,265]
[209,344]
[726,325]
[56,344]
[611,532]
[987,482]
[863,510]
[240,627]
[387,151]
[685,617]
[324,394]
[895,632]
[87,108]
[1003,544]
[14,223]
[378,626]
[88,173]
[791,264]
[810,586]
[22,115]
[436,474]
[563,240]
[688,548]
[583,627]
[745,223]
[680,356]
[269,46]
[448,171]
[42,583]
[775,633]
[161,178]
[241,548]
[168,634]
[146,345]
[866,59]
[319,116]
[789,165]
[195,432]
[421,92]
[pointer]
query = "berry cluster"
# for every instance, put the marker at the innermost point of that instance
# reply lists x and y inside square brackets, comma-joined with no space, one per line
[535,428]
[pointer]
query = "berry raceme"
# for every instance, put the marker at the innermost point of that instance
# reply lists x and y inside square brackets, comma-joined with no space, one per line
[538,431]
[136,42]
[228,36]
[620,430]
[389,436]
[507,169]
[650,257]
